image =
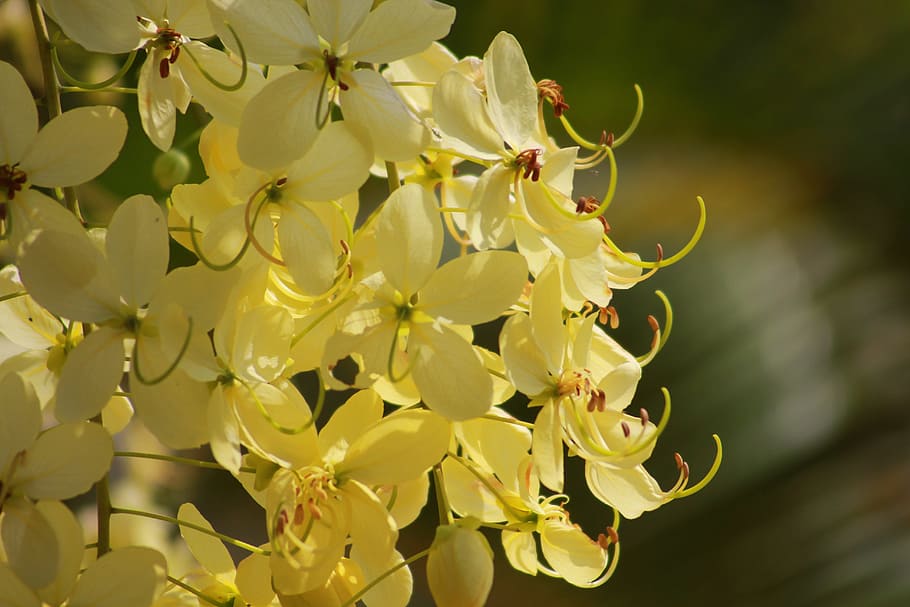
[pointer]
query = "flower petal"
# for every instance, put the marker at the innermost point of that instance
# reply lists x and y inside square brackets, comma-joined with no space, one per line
[337,164]
[76,146]
[461,111]
[401,447]
[21,415]
[224,106]
[97,25]
[409,238]
[177,397]
[572,553]
[273,32]
[372,106]
[348,423]
[546,447]
[254,580]
[307,249]
[19,118]
[208,550]
[280,123]
[70,541]
[336,20]
[224,431]
[65,461]
[475,288]
[31,546]
[90,375]
[137,248]
[511,90]
[546,318]
[632,491]
[127,577]
[398,28]
[157,102]
[451,376]
[13,592]
[526,364]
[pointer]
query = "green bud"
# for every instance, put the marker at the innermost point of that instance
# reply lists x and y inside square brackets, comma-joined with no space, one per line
[171,168]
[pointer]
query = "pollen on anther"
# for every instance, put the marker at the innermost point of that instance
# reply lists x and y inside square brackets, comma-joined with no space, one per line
[627,432]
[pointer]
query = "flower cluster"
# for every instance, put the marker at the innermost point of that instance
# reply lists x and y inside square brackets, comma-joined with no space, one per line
[480,227]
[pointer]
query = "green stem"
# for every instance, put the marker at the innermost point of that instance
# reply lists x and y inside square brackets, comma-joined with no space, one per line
[194,526]
[111,89]
[103,498]
[51,86]
[13,295]
[178,460]
[442,500]
[199,593]
[392,171]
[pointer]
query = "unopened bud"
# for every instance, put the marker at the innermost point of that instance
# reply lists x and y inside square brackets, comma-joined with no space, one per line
[460,567]
[171,168]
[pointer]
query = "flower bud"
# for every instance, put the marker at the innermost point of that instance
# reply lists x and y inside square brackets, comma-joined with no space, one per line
[171,168]
[460,567]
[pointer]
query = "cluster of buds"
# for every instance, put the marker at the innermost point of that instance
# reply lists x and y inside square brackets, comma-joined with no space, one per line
[306,104]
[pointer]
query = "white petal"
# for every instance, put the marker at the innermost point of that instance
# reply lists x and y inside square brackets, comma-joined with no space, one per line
[137,248]
[546,318]
[398,28]
[526,364]
[511,90]
[71,543]
[224,432]
[65,461]
[279,123]
[410,238]
[90,375]
[67,274]
[632,491]
[372,106]
[99,26]
[546,447]
[475,288]
[13,592]
[19,118]
[190,18]
[273,32]
[307,249]
[567,237]
[208,550]
[127,577]
[76,146]
[336,20]
[450,375]
[460,110]
[262,343]
[337,164]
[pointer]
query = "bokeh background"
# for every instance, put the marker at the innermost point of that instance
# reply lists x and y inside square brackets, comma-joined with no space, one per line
[792,330]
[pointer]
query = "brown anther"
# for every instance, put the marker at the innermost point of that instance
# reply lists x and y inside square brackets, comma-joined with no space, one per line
[279,527]
[645,418]
[679,461]
[321,493]
[530,160]
[603,541]
[12,180]
[660,252]
[606,138]
[350,271]
[685,470]
[609,140]
[552,92]
[331,64]
[315,512]
[345,247]
[626,431]
[174,54]
[281,181]
[164,68]
[655,326]
[589,204]
[614,537]
[298,514]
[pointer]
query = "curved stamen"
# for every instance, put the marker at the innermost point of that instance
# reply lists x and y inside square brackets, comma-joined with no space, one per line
[320,402]
[696,236]
[228,88]
[197,249]
[92,86]
[617,141]
[171,368]
[644,359]
[393,350]
[719,456]
[249,224]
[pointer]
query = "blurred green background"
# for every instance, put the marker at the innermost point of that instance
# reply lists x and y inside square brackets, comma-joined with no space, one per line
[792,331]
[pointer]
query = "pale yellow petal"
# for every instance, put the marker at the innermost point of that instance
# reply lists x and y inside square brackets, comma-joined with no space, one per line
[30,543]
[459,567]
[476,288]
[372,527]
[97,25]
[117,413]
[546,318]
[76,146]
[410,238]
[398,28]
[178,397]
[566,237]
[190,18]
[157,102]
[262,343]
[224,431]
[426,66]
[526,364]
[348,423]
[307,249]
[521,550]
[279,123]
[19,118]
[394,590]
[200,291]
[406,499]
[500,446]
[13,592]
[273,32]
[21,415]
[336,20]
[71,544]
[137,248]
[401,447]
[632,491]
[254,580]
[66,274]
[450,375]
[24,322]
[208,550]
[90,375]
[65,461]
[570,552]
[511,90]
[372,106]
[225,106]
[337,164]
[488,209]
[546,447]
[460,110]
[127,577]
[469,496]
